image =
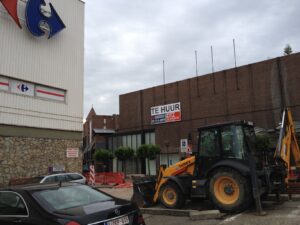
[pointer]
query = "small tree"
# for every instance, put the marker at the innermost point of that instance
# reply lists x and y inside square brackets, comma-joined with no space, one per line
[103,156]
[148,152]
[287,50]
[123,154]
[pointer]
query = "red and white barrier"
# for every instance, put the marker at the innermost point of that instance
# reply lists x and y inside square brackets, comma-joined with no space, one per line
[107,178]
[92,180]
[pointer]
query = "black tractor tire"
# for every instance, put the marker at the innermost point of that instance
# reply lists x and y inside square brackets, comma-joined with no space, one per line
[229,191]
[171,196]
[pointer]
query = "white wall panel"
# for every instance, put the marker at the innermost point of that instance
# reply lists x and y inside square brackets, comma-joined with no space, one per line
[57,62]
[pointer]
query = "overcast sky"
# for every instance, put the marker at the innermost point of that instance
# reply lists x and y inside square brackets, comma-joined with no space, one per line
[127,40]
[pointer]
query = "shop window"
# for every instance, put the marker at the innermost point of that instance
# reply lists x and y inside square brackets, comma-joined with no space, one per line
[134,142]
[150,138]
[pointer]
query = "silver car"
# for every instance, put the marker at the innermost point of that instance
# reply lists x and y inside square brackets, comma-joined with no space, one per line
[63,177]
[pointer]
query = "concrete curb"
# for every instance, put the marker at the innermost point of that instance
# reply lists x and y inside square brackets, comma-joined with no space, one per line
[193,214]
[166,212]
[206,215]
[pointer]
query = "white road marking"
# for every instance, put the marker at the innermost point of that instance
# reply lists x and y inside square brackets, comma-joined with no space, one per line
[230,219]
[294,213]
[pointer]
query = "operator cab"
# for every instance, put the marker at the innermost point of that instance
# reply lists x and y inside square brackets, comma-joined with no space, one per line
[232,141]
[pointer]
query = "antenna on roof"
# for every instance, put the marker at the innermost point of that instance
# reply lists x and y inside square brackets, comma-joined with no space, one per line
[164,80]
[164,74]
[212,68]
[234,52]
[212,59]
[196,59]
[236,70]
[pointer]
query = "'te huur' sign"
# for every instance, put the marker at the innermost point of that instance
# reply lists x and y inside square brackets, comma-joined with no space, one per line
[166,113]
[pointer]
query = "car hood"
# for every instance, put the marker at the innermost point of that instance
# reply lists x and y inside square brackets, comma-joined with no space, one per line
[99,211]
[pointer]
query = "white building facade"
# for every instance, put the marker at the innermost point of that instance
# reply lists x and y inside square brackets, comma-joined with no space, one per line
[41,87]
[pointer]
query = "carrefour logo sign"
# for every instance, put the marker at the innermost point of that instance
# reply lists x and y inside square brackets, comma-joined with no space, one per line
[35,17]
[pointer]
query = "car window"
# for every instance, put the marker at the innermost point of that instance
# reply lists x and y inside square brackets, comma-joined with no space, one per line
[69,197]
[11,204]
[50,179]
[61,178]
[74,176]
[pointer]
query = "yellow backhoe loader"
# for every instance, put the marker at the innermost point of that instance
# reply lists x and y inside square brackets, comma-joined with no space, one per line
[227,169]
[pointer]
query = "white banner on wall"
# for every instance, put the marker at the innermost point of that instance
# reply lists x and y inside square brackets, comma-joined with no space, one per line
[20,87]
[50,93]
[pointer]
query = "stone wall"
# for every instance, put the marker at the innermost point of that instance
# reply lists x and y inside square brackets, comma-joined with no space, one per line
[27,156]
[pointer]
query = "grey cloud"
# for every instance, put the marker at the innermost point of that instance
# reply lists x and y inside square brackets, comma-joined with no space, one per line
[126,41]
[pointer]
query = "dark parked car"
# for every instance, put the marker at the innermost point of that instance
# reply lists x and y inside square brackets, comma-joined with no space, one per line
[64,204]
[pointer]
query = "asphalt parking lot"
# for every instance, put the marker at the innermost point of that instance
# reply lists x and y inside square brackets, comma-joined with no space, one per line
[287,213]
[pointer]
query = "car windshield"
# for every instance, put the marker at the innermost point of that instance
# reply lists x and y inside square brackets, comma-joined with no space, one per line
[69,197]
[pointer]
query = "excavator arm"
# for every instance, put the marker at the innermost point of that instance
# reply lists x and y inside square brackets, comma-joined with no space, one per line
[287,150]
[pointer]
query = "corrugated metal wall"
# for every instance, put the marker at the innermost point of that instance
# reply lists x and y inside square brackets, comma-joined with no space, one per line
[57,62]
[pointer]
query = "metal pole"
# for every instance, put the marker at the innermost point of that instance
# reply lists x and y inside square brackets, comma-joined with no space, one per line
[164,74]
[212,59]
[234,52]
[164,80]
[212,68]
[196,59]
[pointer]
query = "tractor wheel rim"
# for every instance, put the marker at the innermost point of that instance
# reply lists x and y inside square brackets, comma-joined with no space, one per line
[226,190]
[169,196]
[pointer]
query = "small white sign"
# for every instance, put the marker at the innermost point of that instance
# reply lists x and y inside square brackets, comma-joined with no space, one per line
[72,152]
[184,145]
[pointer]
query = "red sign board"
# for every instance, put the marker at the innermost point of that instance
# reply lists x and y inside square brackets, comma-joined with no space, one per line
[166,113]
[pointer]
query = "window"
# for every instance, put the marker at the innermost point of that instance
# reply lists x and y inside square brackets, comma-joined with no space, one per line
[233,142]
[150,138]
[209,145]
[62,178]
[129,142]
[74,177]
[134,144]
[69,197]
[50,179]
[11,204]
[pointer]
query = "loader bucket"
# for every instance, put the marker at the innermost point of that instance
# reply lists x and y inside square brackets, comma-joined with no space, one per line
[143,191]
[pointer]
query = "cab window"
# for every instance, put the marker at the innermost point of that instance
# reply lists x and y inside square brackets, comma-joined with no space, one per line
[233,142]
[209,144]
[11,204]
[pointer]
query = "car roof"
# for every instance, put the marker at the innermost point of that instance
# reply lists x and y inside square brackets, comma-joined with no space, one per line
[58,174]
[38,187]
